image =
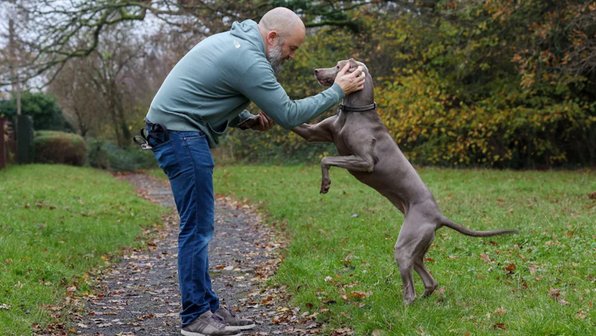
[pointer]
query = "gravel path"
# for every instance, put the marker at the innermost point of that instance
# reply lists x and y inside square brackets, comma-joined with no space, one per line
[139,295]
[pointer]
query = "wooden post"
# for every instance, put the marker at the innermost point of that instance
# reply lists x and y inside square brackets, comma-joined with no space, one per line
[3,143]
[24,131]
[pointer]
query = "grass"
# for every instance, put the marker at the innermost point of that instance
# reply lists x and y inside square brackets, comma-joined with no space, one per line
[57,223]
[339,263]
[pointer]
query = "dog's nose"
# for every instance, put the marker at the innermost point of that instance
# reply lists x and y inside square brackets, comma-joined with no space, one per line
[316,71]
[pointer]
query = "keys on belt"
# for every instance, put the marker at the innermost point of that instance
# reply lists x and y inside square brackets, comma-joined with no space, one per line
[150,136]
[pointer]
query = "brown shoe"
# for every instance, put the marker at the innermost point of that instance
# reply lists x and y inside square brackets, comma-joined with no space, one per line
[231,321]
[208,325]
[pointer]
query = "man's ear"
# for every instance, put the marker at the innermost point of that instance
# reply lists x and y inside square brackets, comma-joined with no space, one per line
[271,36]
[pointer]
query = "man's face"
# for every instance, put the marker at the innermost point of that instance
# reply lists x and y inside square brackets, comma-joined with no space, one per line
[284,49]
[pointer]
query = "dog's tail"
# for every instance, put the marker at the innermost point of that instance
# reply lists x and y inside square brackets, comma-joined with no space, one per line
[468,232]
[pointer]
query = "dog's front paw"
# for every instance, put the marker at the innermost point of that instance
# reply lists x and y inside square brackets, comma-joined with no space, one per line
[325,184]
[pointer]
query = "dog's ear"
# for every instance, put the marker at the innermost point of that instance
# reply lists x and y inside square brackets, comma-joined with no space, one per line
[353,64]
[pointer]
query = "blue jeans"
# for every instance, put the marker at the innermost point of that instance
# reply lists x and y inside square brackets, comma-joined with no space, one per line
[186,159]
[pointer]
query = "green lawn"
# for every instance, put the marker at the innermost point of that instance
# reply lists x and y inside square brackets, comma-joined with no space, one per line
[339,263]
[56,224]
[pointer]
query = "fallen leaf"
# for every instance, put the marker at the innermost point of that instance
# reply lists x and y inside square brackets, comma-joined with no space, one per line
[359,295]
[485,257]
[510,268]
[554,293]
[581,315]
[500,311]
[342,332]
[268,300]
[563,301]
[500,325]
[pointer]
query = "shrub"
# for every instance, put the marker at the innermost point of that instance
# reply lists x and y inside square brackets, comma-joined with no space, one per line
[42,107]
[508,129]
[106,155]
[59,147]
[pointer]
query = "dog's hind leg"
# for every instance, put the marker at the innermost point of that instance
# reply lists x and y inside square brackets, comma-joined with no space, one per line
[414,240]
[405,264]
[404,258]
[430,284]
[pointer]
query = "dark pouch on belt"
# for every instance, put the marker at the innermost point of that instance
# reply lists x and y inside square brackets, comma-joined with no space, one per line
[151,136]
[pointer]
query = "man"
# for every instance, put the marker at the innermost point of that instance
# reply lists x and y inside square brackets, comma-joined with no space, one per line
[205,93]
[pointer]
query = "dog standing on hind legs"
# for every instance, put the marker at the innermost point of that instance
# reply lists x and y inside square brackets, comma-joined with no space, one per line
[369,153]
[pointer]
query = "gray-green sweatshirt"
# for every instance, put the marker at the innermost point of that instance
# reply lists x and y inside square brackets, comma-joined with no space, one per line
[210,87]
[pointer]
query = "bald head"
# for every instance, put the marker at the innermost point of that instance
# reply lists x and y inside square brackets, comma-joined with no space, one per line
[282,20]
[283,32]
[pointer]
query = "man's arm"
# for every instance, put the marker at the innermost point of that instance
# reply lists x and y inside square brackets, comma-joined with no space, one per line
[261,87]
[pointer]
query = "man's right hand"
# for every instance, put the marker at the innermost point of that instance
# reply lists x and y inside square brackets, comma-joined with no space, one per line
[350,82]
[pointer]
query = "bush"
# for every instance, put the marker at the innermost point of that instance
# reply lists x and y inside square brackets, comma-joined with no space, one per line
[509,129]
[59,147]
[106,155]
[42,107]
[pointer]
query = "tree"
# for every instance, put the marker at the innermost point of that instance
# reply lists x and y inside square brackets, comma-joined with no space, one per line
[43,108]
[108,89]
[61,30]
[77,96]
[13,55]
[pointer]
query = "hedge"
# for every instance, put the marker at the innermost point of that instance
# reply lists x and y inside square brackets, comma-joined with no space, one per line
[59,147]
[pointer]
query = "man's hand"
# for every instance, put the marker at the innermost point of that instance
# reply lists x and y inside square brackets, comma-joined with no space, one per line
[350,82]
[263,122]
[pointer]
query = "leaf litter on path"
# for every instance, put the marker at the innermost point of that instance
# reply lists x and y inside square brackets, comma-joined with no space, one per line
[139,294]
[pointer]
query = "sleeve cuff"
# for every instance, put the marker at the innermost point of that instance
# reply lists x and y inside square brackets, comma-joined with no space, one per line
[340,93]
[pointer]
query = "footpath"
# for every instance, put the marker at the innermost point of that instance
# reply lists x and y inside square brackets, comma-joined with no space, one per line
[139,294]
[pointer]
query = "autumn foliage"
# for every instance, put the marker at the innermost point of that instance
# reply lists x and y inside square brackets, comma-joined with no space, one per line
[495,83]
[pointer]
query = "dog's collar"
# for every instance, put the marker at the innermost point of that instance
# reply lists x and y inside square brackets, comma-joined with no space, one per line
[363,108]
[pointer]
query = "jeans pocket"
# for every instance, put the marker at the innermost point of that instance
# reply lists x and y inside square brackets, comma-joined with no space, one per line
[198,149]
[167,159]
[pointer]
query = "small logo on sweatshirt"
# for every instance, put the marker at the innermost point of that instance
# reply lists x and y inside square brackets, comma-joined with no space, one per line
[236,44]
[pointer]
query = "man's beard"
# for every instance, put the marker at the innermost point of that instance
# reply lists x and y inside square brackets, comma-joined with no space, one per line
[274,56]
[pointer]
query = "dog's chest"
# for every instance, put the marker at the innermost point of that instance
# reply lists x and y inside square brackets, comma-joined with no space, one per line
[352,132]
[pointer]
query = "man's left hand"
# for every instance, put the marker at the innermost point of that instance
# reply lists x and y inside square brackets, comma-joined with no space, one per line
[264,122]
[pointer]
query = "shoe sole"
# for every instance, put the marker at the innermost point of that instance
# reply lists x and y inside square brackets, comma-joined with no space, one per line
[191,333]
[240,328]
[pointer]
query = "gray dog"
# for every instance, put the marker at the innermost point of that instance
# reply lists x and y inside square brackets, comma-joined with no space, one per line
[369,153]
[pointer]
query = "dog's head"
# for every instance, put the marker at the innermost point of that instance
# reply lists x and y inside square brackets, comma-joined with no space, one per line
[326,76]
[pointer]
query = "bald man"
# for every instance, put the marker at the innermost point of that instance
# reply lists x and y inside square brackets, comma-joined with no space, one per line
[204,94]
